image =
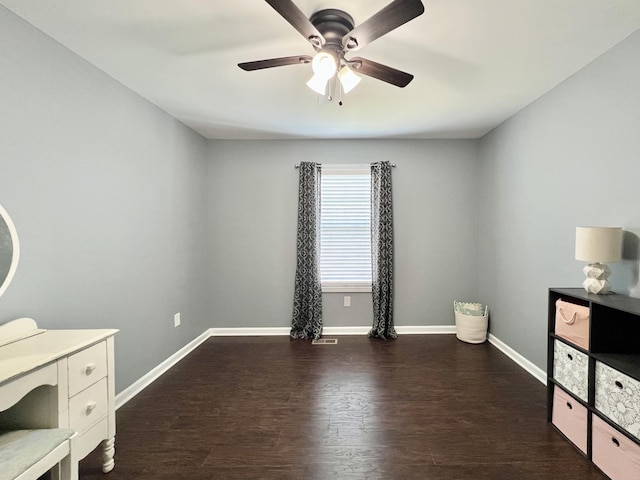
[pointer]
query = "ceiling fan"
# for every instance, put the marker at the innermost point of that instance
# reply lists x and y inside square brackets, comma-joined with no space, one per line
[332,34]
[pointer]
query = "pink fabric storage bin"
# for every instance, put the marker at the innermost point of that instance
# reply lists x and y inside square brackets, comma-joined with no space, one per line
[572,323]
[570,417]
[615,454]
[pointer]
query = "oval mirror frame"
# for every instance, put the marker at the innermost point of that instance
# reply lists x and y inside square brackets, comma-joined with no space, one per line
[15,247]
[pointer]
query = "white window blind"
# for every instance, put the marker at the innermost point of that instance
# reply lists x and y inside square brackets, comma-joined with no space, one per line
[345,228]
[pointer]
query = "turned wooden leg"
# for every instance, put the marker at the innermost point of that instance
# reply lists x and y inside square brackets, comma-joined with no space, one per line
[108,451]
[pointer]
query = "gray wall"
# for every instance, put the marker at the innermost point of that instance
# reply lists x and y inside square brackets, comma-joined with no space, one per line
[571,158]
[107,194]
[126,217]
[252,216]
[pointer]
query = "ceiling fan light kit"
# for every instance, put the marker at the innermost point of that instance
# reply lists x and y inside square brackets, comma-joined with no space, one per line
[348,79]
[318,84]
[324,66]
[332,34]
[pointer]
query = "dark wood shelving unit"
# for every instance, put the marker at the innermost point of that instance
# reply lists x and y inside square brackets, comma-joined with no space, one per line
[614,343]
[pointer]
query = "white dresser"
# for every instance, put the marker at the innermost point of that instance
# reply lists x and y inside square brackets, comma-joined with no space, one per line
[59,378]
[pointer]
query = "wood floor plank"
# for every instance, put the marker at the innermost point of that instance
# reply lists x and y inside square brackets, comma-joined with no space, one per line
[420,407]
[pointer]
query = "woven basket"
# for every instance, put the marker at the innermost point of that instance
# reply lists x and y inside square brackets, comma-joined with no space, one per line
[471,328]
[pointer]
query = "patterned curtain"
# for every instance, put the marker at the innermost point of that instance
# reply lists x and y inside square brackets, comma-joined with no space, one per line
[382,251]
[307,300]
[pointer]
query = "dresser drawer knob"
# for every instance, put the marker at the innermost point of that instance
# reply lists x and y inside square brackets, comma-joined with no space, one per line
[615,441]
[619,384]
[88,370]
[569,406]
[90,407]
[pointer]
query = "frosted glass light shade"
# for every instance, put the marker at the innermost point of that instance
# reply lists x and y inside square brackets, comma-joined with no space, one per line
[599,244]
[348,79]
[318,84]
[324,65]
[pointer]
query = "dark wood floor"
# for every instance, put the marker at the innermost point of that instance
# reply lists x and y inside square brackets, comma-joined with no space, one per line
[421,407]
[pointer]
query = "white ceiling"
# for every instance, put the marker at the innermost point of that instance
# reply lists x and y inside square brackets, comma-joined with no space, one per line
[476,63]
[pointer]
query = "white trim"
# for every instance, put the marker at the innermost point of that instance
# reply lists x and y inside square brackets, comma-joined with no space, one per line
[355,330]
[426,329]
[529,366]
[249,331]
[147,379]
[345,330]
[331,287]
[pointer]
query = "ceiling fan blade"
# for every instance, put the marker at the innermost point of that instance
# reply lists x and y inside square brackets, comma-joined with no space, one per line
[298,20]
[381,72]
[275,62]
[389,18]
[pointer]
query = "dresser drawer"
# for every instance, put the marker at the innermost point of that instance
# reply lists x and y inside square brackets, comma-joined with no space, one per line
[618,397]
[88,406]
[571,369]
[613,453]
[87,367]
[570,417]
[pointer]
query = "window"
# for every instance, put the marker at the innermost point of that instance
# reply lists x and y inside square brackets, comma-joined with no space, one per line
[345,228]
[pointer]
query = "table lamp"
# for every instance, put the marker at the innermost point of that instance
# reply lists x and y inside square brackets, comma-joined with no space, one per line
[598,246]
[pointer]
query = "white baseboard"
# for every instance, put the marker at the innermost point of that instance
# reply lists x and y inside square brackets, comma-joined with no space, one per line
[249,331]
[402,330]
[345,330]
[530,367]
[274,331]
[146,380]
[356,330]
[426,329]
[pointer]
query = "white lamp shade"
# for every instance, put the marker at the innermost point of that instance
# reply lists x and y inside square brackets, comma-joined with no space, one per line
[348,79]
[318,84]
[599,244]
[324,65]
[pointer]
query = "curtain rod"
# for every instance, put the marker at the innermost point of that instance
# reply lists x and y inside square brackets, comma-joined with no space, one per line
[297,165]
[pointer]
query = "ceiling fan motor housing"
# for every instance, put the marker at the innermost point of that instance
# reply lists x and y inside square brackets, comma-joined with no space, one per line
[333,24]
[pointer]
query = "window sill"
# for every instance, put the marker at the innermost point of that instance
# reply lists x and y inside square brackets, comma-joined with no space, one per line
[346,289]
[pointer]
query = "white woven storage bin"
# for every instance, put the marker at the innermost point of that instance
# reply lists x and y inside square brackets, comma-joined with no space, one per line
[471,328]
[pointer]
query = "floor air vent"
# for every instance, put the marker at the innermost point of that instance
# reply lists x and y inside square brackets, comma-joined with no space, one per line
[325,341]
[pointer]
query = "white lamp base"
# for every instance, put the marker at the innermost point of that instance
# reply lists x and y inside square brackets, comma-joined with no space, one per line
[596,281]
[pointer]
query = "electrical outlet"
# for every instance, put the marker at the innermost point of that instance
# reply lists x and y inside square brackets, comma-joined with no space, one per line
[347,301]
[176,320]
